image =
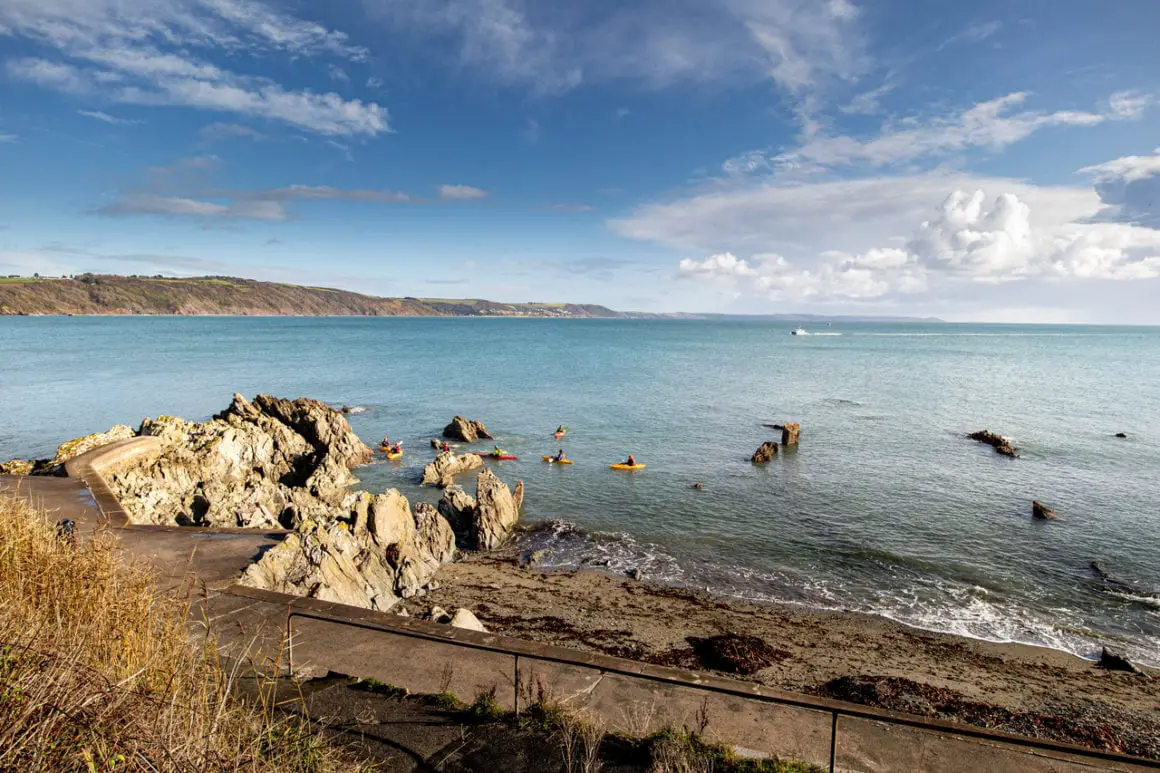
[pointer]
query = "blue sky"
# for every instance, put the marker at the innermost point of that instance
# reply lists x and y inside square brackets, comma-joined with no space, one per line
[988,161]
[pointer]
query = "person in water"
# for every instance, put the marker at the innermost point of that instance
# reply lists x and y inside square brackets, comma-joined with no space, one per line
[386,443]
[631,461]
[560,430]
[560,456]
[497,451]
[446,446]
[397,448]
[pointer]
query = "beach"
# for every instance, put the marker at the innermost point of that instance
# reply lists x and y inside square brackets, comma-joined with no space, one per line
[1025,689]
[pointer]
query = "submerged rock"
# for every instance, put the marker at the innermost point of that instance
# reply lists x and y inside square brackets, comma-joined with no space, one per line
[1001,444]
[765,453]
[1042,512]
[446,466]
[790,433]
[466,430]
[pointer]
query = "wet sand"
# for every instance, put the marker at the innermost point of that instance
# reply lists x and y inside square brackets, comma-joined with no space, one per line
[1015,687]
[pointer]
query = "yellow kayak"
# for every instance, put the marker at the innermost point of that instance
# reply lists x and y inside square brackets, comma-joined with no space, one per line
[626,466]
[394,456]
[554,460]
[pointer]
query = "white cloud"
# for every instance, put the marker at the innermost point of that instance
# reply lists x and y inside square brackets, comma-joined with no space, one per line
[867,103]
[1127,169]
[990,125]
[336,73]
[326,192]
[140,52]
[106,118]
[1130,189]
[966,241]
[223,131]
[555,46]
[1129,104]
[176,206]
[8,138]
[460,192]
[374,83]
[975,34]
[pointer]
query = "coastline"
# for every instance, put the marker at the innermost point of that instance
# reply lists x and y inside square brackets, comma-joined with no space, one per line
[854,656]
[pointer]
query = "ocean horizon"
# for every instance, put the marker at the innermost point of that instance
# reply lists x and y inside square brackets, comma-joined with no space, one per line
[884,508]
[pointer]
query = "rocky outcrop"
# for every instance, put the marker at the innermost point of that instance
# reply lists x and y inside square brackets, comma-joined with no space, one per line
[1122,435]
[466,619]
[466,430]
[380,554]
[496,511]
[66,451]
[1114,662]
[790,433]
[446,466]
[1042,512]
[487,520]
[765,453]
[266,463]
[1001,444]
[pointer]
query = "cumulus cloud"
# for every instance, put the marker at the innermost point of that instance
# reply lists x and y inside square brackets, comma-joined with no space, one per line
[969,239]
[143,52]
[460,193]
[1130,189]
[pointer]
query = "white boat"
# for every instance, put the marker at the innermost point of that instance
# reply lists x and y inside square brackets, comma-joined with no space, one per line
[799,331]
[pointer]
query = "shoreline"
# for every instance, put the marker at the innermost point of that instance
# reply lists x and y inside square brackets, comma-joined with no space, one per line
[855,656]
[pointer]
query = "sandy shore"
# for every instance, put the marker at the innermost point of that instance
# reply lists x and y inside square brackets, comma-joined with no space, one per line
[1015,687]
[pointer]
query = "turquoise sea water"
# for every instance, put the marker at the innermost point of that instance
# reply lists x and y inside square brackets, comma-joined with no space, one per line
[884,507]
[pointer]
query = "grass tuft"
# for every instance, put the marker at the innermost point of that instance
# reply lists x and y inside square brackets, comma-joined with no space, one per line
[98,671]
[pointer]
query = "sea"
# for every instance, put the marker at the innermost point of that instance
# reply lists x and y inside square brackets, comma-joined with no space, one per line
[884,507]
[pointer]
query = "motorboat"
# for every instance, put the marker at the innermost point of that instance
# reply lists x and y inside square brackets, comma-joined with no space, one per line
[799,331]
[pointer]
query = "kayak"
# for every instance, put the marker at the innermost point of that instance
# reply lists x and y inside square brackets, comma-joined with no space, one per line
[395,455]
[502,457]
[554,460]
[559,435]
[626,466]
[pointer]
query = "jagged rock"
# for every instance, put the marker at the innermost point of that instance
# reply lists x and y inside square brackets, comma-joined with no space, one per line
[1001,444]
[465,618]
[518,496]
[636,574]
[1114,662]
[263,464]
[1122,435]
[1041,512]
[439,615]
[466,430]
[496,512]
[446,466]
[765,453]
[458,507]
[532,557]
[382,554]
[66,451]
[436,444]
[790,433]
[16,467]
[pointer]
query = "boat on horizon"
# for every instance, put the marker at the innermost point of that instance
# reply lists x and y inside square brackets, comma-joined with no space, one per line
[799,331]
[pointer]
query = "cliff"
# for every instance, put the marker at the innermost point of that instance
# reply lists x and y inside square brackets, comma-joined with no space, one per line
[220,295]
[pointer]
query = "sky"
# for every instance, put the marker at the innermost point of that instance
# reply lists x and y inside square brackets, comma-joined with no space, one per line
[983,161]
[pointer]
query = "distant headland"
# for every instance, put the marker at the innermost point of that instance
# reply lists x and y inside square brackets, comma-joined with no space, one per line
[96,294]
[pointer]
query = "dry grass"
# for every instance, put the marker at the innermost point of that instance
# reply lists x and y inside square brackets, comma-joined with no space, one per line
[98,673]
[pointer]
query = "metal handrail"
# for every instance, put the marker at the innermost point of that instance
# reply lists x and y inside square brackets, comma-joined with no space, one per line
[848,710]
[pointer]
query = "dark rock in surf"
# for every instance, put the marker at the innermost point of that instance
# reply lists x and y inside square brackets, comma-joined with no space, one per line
[466,430]
[1122,435]
[765,453]
[1042,512]
[635,574]
[1113,662]
[1001,444]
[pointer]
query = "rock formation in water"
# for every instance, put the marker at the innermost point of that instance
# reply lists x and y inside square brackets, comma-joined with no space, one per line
[466,430]
[382,553]
[765,453]
[1042,512]
[790,433]
[65,452]
[1122,435]
[487,520]
[1001,444]
[269,463]
[446,466]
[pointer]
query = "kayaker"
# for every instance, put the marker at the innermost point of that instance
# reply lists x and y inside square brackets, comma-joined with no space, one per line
[560,456]
[397,448]
[631,461]
[560,430]
[386,443]
[446,447]
[698,486]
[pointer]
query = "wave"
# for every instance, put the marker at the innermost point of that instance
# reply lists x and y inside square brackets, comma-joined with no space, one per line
[923,602]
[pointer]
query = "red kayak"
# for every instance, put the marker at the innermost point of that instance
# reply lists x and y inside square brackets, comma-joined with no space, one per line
[504,458]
